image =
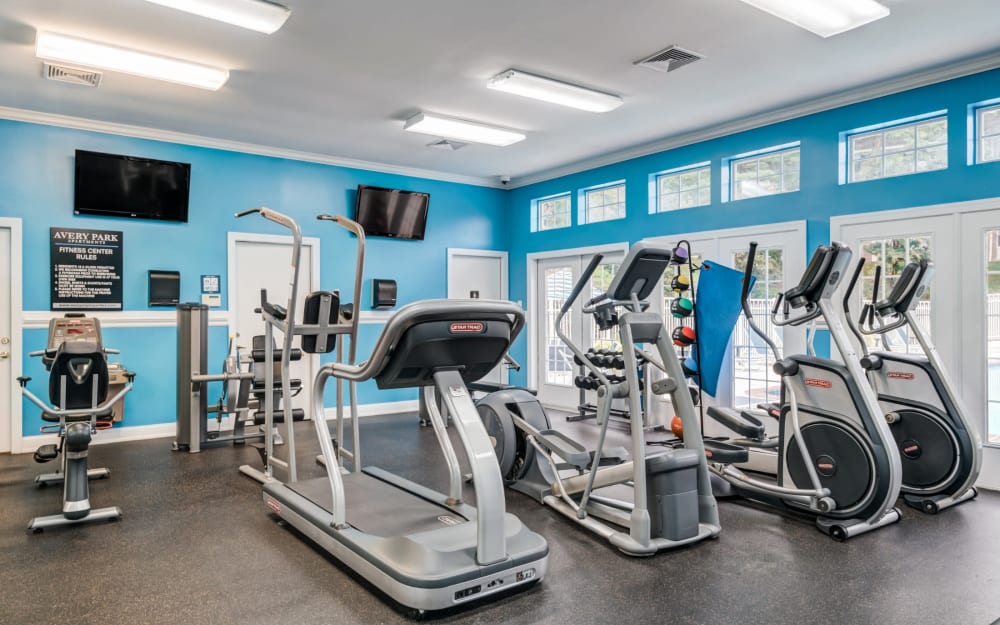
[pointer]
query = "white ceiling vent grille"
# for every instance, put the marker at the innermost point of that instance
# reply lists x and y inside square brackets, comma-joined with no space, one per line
[74,75]
[669,59]
[447,144]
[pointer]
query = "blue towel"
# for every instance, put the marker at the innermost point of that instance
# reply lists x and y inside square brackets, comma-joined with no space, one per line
[716,311]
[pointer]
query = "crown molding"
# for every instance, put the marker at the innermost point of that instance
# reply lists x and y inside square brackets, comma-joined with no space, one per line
[825,103]
[170,136]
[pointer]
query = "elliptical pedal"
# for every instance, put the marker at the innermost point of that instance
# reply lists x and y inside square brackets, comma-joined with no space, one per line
[46,453]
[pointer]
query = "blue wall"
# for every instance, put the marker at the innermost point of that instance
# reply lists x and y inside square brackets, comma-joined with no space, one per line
[37,181]
[820,197]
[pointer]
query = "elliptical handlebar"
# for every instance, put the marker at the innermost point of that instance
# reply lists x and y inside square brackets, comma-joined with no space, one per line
[745,301]
[581,283]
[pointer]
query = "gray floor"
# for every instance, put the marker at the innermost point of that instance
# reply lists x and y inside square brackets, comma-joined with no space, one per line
[196,545]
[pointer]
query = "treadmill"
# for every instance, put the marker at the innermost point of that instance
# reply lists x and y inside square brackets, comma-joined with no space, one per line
[426,550]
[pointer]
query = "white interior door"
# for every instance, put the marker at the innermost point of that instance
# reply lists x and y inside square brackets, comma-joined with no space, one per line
[479,274]
[6,362]
[264,262]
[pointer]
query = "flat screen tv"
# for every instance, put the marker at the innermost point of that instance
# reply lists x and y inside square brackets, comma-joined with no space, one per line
[391,212]
[129,186]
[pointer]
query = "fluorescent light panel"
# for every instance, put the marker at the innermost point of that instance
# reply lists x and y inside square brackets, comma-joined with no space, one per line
[451,128]
[826,18]
[554,91]
[264,17]
[80,52]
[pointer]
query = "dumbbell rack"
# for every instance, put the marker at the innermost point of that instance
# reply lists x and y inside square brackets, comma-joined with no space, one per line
[587,410]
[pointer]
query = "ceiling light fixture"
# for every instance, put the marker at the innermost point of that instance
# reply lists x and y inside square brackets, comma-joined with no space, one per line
[554,91]
[451,128]
[260,15]
[826,18]
[80,52]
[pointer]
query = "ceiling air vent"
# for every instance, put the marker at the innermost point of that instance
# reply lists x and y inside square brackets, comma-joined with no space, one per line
[669,59]
[446,144]
[72,75]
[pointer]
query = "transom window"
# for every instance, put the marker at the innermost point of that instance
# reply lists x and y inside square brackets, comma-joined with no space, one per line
[988,135]
[683,188]
[552,212]
[602,203]
[899,150]
[764,173]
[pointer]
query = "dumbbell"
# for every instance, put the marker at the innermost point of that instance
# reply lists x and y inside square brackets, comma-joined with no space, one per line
[683,336]
[681,307]
[618,362]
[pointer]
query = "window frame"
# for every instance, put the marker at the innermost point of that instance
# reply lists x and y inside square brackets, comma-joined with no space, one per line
[728,163]
[583,208]
[656,198]
[845,175]
[536,215]
[975,131]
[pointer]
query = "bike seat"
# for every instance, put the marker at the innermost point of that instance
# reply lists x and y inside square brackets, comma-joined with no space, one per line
[725,453]
[742,422]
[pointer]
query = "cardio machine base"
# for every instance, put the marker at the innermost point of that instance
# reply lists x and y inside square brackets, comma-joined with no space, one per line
[48,479]
[40,523]
[432,568]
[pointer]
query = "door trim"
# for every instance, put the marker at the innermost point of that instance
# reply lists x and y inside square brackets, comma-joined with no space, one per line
[16,329]
[837,222]
[798,227]
[504,267]
[532,262]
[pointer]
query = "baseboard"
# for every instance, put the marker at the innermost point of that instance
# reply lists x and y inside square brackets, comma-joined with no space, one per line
[115,435]
[373,410]
[162,430]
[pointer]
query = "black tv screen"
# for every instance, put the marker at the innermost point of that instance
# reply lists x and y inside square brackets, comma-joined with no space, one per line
[129,186]
[391,212]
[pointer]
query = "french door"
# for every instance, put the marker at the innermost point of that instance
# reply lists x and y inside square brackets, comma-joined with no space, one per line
[961,310]
[554,279]
[745,378]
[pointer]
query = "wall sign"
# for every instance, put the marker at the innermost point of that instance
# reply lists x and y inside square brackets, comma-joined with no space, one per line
[86,269]
[210,290]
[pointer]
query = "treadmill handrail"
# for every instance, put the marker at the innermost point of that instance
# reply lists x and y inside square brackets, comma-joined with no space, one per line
[413,313]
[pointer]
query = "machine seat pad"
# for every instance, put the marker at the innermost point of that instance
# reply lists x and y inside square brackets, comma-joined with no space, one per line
[726,453]
[46,453]
[101,415]
[298,414]
[742,422]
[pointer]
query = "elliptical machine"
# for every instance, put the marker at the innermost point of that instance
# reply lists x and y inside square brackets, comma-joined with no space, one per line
[671,495]
[834,454]
[939,447]
[79,406]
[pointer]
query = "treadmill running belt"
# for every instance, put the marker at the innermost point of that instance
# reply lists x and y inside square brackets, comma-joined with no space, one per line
[378,508]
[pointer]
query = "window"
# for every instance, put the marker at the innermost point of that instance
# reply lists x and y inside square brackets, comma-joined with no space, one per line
[988,134]
[602,203]
[893,255]
[766,172]
[898,149]
[683,188]
[549,213]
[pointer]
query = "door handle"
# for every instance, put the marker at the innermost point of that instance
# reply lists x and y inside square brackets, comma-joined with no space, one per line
[4,355]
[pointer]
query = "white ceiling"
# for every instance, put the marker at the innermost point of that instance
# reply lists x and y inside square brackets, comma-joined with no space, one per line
[341,76]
